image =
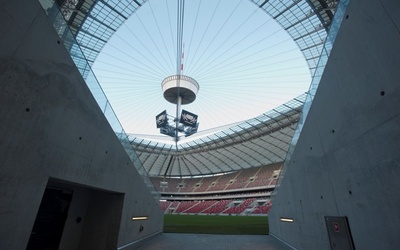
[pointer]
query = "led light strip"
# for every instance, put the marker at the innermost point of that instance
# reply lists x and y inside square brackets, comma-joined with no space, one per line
[286,219]
[140,218]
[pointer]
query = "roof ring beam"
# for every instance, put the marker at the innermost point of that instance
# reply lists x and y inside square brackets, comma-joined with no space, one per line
[266,1]
[287,8]
[113,9]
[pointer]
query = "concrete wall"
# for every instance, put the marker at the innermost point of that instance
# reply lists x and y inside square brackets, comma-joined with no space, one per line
[347,159]
[53,133]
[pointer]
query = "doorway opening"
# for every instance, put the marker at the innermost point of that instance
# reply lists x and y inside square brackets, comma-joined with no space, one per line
[50,220]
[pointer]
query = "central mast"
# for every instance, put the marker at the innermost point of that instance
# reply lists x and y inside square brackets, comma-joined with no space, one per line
[179,90]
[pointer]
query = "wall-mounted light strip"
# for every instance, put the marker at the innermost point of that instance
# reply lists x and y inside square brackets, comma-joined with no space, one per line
[140,218]
[286,219]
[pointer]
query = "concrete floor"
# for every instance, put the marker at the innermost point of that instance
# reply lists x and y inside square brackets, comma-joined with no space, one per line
[173,241]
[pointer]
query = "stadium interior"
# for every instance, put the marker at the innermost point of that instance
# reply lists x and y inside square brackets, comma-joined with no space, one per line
[323,165]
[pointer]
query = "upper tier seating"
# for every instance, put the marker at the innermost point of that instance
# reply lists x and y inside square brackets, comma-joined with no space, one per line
[243,179]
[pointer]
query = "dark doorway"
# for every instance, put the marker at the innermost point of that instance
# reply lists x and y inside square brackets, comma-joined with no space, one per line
[49,224]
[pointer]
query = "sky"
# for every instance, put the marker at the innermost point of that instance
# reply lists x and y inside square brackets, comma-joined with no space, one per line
[244,62]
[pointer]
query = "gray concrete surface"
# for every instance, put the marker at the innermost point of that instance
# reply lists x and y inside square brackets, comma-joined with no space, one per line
[173,241]
[347,161]
[54,134]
